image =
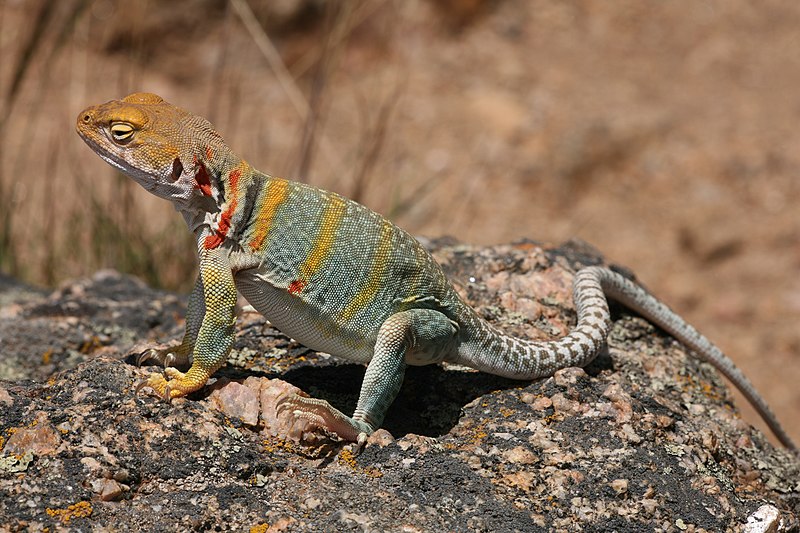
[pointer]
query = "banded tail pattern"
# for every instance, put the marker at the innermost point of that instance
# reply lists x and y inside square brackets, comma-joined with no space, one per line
[493,351]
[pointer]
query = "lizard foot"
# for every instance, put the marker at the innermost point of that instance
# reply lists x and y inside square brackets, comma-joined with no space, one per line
[172,383]
[311,414]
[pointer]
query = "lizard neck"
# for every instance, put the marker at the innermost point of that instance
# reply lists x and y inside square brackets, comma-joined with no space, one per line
[217,173]
[233,188]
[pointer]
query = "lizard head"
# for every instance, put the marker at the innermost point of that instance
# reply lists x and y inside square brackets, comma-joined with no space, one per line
[163,147]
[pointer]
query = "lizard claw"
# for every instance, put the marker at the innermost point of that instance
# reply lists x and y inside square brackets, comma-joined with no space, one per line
[166,357]
[171,383]
[163,357]
[310,415]
[158,384]
[360,443]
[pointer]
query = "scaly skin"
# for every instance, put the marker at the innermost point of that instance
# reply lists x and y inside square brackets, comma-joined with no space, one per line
[334,275]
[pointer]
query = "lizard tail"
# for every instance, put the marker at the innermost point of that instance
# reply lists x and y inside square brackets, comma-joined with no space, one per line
[492,351]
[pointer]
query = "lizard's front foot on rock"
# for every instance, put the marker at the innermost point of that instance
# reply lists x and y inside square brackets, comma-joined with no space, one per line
[172,383]
[310,415]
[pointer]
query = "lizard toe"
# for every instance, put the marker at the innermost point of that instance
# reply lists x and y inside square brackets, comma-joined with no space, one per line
[146,355]
[172,383]
[166,357]
[312,415]
[154,382]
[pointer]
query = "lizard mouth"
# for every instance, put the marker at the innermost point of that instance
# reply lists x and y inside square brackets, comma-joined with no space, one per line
[96,138]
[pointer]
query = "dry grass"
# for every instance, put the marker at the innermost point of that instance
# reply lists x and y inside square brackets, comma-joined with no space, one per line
[96,222]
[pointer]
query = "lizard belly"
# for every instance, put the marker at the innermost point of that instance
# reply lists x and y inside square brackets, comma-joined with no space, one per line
[303,321]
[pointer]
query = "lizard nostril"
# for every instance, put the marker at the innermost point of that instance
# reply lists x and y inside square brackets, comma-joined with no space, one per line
[87,117]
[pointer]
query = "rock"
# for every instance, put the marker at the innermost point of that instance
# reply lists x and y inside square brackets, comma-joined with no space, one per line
[766,519]
[620,445]
[40,438]
[237,401]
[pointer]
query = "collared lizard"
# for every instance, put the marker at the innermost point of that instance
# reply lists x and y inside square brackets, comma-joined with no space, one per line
[336,276]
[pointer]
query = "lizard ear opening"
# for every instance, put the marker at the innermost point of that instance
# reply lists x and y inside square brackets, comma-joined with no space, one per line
[177,170]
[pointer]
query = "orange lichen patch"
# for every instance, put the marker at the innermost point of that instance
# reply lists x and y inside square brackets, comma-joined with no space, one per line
[282,524]
[214,240]
[709,390]
[478,432]
[47,356]
[76,510]
[274,444]
[348,459]
[372,472]
[276,194]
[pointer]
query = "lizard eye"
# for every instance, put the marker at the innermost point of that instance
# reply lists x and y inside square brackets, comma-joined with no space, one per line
[121,131]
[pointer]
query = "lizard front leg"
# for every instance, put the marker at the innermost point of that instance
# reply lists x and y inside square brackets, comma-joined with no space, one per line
[214,336]
[181,355]
[416,336]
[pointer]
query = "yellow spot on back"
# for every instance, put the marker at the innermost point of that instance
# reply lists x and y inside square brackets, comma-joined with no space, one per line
[276,195]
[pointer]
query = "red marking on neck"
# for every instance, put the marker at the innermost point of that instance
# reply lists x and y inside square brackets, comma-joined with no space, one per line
[216,238]
[209,153]
[297,285]
[201,178]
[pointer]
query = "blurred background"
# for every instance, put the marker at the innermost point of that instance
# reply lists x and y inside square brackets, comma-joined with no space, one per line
[663,133]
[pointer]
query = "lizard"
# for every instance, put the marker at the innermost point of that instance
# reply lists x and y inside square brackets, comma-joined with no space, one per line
[337,277]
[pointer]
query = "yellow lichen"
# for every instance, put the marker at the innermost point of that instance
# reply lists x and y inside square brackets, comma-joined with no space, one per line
[348,459]
[274,444]
[708,390]
[259,528]
[76,510]
[372,472]
[505,412]
[479,432]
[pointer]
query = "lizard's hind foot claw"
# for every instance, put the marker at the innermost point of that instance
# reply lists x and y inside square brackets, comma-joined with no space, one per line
[310,415]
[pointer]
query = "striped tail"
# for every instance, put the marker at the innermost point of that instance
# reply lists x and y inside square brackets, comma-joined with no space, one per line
[490,350]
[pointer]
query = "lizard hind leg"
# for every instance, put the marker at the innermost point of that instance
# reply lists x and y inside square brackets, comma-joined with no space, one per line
[416,336]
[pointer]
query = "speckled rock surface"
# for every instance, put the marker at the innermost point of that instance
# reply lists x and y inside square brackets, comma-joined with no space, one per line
[644,438]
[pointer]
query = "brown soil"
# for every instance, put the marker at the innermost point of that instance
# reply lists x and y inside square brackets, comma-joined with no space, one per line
[662,133]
